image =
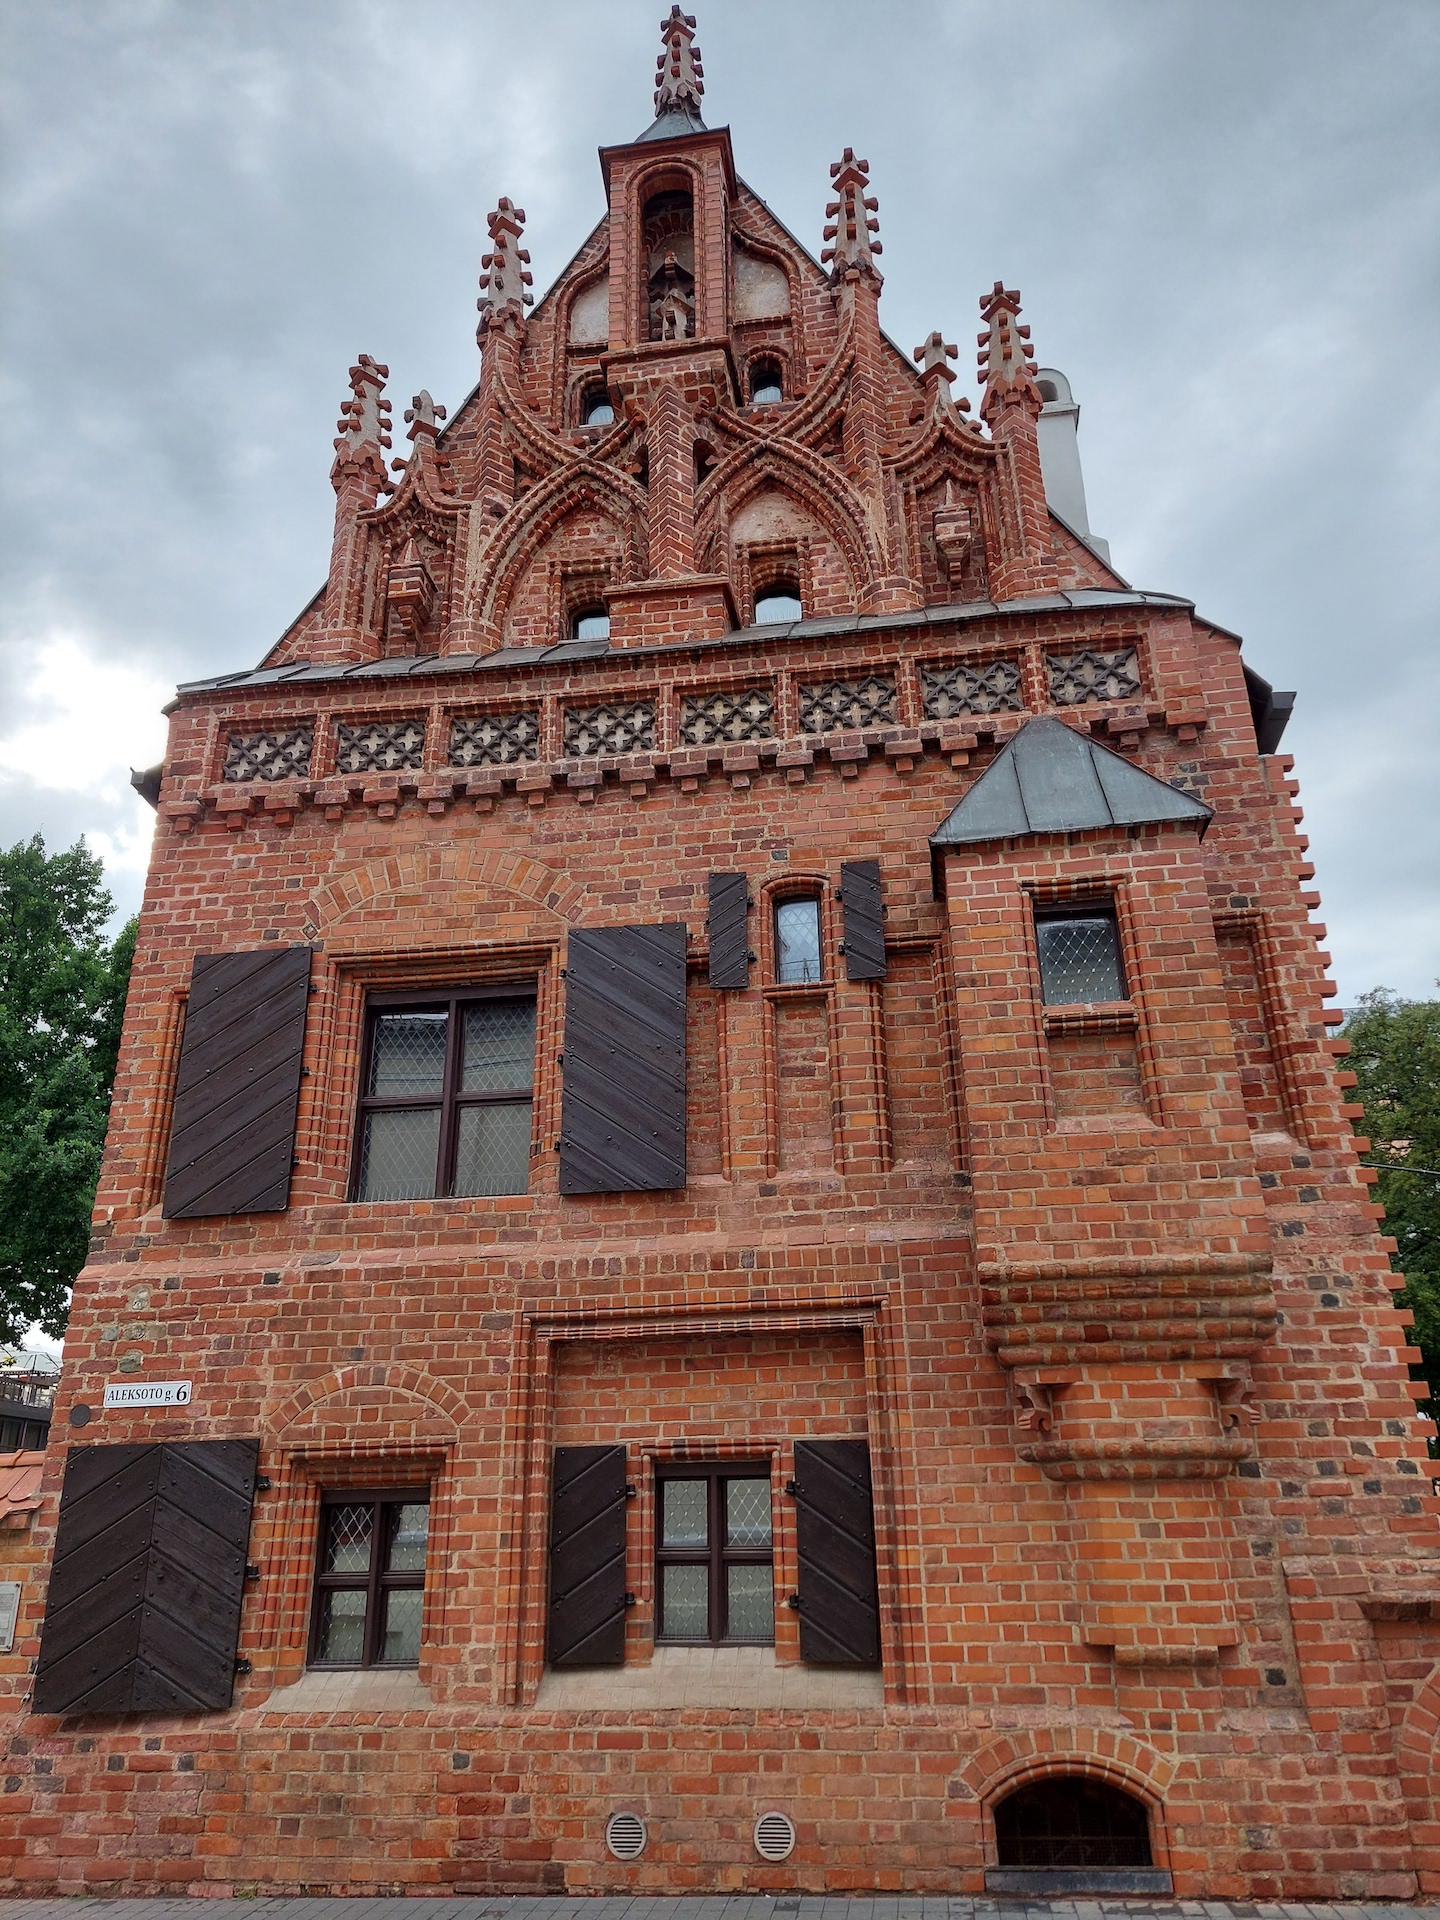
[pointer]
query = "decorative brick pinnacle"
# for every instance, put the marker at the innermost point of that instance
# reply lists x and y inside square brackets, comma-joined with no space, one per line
[1006,354]
[931,357]
[504,281]
[423,417]
[679,76]
[850,227]
[363,429]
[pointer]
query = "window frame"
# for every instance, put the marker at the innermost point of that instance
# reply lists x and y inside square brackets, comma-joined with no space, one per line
[376,1582]
[594,396]
[590,610]
[789,898]
[450,1098]
[778,589]
[765,371]
[717,1555]
[1100,907]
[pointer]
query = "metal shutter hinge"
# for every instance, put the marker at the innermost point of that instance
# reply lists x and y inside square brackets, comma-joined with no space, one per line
[630,1600]
[252,1572]
[793,1603]
[242,1665]
[632,1492]
[840,946]
[262,1483]
[791,1488]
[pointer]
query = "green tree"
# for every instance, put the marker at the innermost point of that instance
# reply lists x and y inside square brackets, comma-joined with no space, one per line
[62,1000]
[1395,1054]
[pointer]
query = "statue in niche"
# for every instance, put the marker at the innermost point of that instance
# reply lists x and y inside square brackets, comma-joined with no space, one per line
[672,301]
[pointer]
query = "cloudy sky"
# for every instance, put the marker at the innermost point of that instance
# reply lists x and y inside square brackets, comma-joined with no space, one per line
[1221,214]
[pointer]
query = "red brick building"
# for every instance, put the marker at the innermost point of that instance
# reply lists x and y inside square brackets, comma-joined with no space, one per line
[729,1202]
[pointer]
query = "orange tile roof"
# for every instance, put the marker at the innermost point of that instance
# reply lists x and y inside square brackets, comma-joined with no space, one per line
[20,1485]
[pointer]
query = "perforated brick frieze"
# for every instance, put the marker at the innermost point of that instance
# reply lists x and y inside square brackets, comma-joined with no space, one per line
[277,755]
[1087,675]
[494,739]
[827,706]
[993,687]
[380,746]
[612,727]
[748,714]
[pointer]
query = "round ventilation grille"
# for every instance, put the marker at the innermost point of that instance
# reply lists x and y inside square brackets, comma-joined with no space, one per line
[774,1836]
[625,1836]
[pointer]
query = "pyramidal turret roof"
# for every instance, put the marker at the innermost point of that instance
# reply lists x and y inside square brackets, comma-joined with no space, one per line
[1051,779]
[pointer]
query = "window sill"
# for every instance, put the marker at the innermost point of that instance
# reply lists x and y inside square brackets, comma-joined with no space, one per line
[1108,1016]
[710,1677]
[1061,1882]
[352,1690]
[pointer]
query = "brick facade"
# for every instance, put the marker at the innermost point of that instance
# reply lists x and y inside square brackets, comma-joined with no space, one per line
[1100,1285]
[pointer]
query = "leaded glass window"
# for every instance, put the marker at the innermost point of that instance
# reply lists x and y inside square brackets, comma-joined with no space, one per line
[370,1581]
[447,1097]
[1080,957]
[798,958]
[714,1556]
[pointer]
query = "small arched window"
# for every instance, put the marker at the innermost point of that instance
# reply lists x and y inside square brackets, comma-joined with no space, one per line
[798,957]
[776,603]
[767,388]
[590,623]
[1072,1821]
[595,408]
[1048,390]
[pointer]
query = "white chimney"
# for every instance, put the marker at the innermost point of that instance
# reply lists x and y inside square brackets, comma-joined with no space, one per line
[1060,456]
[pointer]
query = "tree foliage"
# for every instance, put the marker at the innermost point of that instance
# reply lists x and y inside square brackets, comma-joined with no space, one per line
[1395,1054]
[62,1000]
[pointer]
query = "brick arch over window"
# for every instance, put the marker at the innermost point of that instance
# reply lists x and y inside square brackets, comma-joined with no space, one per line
[534,519]
[399,1405]
[1120,1761]
[458,868]
[813,484]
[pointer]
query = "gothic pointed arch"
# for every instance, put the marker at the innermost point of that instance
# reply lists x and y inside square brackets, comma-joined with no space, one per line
[821,492]
[590,483]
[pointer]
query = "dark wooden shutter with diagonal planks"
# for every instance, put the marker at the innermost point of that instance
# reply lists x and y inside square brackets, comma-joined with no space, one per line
[835,1547]
[728,928]
[622,1116]
[587,1558]
[232,1138]
[143,1609]
[864,920]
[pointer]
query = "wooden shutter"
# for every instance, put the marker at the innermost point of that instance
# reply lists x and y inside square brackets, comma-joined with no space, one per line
[232,1138]
[835,1545]
[622,1117]
[864,920]
[587,1558]
[143,1609]
[729,931]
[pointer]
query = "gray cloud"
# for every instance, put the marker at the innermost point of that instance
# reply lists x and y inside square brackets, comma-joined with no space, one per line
[1221,216]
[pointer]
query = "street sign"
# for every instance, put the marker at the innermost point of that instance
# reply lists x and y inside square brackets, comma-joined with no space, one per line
[147,1393]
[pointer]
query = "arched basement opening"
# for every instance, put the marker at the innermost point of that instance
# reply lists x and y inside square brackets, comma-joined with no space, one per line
[1070,1833]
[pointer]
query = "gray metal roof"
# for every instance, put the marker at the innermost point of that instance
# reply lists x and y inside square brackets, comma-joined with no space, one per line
[1051,779]
[672,125]
[1077,599]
